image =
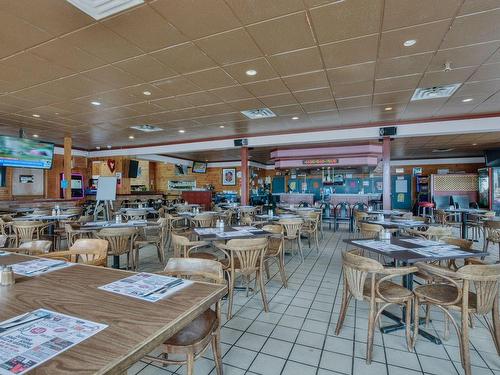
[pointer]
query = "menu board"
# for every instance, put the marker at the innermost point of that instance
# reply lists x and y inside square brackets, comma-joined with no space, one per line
[47,334]
[383,246]
[39,266]
[146,286]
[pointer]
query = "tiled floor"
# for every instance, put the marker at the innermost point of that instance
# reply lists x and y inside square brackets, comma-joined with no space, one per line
[297,336]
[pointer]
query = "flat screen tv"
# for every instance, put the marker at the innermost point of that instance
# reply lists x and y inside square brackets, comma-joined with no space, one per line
[492,158]
[199,167]
[25,153]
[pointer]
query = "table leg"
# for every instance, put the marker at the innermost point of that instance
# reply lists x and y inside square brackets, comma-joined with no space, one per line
[116,261]
[464,225]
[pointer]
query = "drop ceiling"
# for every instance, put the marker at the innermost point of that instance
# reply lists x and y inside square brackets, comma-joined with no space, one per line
[330,63]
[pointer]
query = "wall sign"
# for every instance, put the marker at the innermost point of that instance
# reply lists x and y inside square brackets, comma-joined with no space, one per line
[417,170]
[26,179]
[400,170]
[320,161]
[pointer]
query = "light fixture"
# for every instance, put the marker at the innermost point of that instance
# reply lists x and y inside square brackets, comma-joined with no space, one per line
[251,72]
[147,93]
[35,135]
[474,144]
[387,108]
[467,100]
[295,117]
[182,131]
[409,42]
[108,147]
[35,115]
[221,126]
[131,137]
[97,147]
[95,103]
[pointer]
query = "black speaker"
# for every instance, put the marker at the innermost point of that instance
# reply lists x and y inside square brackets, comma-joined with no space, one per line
[387,131]
[240,142]
[133,168]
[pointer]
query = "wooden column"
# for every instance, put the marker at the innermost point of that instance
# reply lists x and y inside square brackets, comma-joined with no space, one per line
[244,176]
[386,157]
[67,166]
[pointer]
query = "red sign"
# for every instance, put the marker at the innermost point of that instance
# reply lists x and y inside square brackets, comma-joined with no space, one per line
[320,161]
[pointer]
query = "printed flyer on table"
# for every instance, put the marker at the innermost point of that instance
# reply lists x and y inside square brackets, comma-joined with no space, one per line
[27,346]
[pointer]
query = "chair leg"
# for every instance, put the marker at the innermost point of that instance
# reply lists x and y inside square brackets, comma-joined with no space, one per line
[371,331]
[281,265]
[217,352]
[300,248]
[190,364]
[346,298]
[495,329]
[465,344]
[262,289]
[230,293]
[408,326]
[317,241]
[266,267]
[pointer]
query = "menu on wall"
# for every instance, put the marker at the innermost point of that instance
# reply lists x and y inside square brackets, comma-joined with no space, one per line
[45,335]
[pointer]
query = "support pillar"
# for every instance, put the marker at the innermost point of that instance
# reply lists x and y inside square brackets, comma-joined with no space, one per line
[67,166]
[244,176]
[386,157]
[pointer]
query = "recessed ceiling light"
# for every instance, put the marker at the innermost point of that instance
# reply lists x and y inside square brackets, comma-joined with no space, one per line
[295,117]
[35,115]
[251,72]
[35,135]
[474,144]
[388,108]
[97,147]
[147,93]
[409,42]
[467,100]
[108,146]
[221,126]
[182,131]
[131,137]
[95,103]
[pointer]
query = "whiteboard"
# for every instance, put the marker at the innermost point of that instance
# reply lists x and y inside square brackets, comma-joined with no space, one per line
[106,188]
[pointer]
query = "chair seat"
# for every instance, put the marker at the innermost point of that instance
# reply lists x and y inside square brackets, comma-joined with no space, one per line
[388,290]
[445,293]
[203,255]
[196,331]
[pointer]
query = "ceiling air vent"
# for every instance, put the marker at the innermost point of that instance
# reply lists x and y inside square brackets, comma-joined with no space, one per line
[435,92]
[258,113]
[99,9]
[146,128]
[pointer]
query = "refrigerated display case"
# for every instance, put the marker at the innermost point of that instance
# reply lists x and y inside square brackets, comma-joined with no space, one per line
[484,187]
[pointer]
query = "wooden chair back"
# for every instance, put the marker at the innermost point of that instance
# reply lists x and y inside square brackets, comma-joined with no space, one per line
[135,214]
[463,243]
[121,240]
[26,230]
[179,245]
[368,230]
[492,230]
[195,269]
[86,251]
[85,218]
[203,220]
[356,269]
[274,242]
[483,280]
[291,228]
[249,254]
[438,232]
[36,247]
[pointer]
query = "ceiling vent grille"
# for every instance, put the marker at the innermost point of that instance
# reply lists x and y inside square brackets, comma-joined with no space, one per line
[435,92]
[255,114]
[99,9]
[146,128]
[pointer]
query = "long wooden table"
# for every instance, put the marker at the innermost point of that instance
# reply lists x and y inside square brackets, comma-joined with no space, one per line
[135,327]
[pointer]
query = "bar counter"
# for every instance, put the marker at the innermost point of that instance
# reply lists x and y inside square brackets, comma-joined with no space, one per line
[296,198]
[353,198]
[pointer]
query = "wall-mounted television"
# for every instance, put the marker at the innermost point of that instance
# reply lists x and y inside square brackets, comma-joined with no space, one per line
[492,158]
[199,167]
[25,153]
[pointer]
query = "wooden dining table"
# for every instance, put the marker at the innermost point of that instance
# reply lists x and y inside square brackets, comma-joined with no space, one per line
[404,258]
[135,327]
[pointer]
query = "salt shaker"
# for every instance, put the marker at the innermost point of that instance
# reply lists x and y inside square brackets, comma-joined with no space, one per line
[7,276]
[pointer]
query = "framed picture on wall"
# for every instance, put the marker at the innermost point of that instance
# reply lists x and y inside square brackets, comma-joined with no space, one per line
[229,176]
[26,179]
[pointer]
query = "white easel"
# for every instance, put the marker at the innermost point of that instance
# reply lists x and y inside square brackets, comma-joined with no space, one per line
[106,193]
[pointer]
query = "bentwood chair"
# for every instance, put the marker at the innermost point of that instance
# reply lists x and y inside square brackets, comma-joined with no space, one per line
[27,231]
[133,214]
[89,251]
[152,235]
[472,289]
[174,225]
[310,227]
[275,251]
[203,220]
[121,241]
[291,231]
[368,280]
[73,234]
[492,234]
[194,339]
[183,247]
[244,257]
[358,217]
[434,233]
[36,247]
